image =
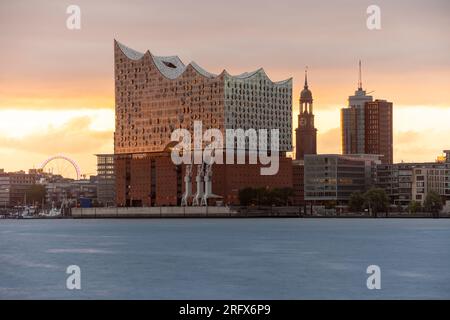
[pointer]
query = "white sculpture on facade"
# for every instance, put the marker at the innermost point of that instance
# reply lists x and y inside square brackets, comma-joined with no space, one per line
[188,186]
[208,185]
[199,180]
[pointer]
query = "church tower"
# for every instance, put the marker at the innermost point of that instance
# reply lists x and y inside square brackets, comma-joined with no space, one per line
[306,133]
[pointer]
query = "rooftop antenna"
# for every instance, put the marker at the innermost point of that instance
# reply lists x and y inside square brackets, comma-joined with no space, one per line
[360,77]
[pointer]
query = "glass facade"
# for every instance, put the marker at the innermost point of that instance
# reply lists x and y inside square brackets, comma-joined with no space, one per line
[336,177]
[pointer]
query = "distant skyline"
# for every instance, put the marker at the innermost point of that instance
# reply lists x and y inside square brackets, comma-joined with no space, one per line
[57,85]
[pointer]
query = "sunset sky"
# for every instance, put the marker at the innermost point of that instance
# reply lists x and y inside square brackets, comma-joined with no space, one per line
[57,85]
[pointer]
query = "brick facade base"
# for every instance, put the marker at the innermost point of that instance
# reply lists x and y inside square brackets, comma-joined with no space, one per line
[153,180]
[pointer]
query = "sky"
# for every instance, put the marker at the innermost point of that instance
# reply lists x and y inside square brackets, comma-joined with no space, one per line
[57,85]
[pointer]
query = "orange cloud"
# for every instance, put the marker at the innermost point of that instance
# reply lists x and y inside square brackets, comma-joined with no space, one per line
[75,139]
[420,146]
[329,141]
[58,94]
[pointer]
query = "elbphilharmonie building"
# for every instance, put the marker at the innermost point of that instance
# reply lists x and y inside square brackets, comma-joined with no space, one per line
[155,95]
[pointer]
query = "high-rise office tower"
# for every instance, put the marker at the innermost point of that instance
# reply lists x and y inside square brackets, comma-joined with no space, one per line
[378,129]
[367,125]
[352,121]
[306,133]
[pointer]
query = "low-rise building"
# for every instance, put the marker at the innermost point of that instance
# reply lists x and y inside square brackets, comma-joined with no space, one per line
[405,182]
[5,188]
[298,182]
[70,191]
[426,179]
[334,177]
[106,180]
[13,187]
[396,180]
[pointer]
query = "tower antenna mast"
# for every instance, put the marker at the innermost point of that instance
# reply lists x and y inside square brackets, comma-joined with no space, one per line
[360,77]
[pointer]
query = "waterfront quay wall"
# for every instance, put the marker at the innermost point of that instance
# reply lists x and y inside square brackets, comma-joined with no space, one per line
[184,212]
[153,212]
[229,212]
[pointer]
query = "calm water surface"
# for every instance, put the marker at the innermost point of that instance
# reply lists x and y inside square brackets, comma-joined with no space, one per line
[225,258]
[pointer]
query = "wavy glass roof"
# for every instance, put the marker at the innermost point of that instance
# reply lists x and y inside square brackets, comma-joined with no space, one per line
[172,67]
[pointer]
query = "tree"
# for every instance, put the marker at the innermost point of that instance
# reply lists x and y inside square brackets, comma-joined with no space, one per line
[376,200]
[414,207]
[330,204]
[246,196]
[356,203]
[262,197]
[281,196]
[266,197]
[36,193]
[433,203]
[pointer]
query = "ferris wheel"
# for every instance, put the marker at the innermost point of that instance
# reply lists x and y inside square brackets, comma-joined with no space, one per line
[63,166]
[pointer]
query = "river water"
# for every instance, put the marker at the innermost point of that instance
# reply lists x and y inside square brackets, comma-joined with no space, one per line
[225,258]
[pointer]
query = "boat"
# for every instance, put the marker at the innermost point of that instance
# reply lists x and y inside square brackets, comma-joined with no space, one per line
[27,212]
[52,213]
